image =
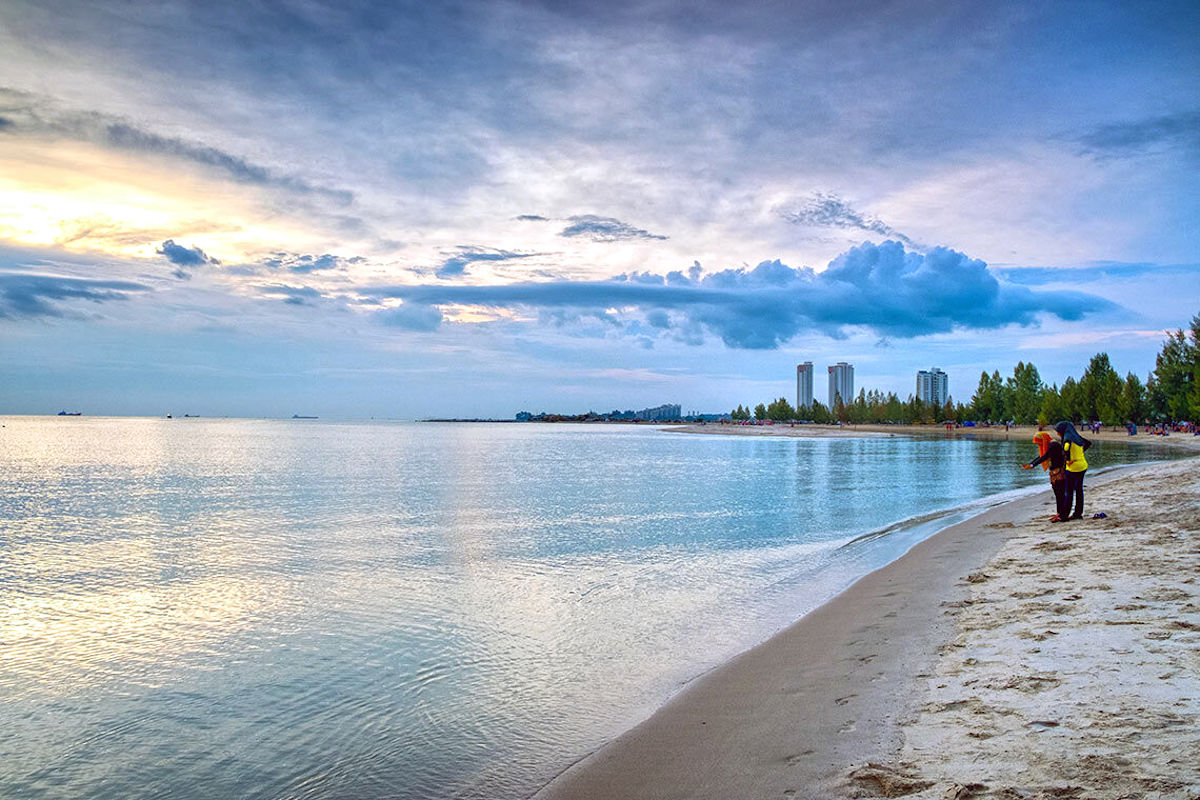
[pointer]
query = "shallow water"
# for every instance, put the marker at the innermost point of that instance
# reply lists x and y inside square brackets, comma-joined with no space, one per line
[269,609]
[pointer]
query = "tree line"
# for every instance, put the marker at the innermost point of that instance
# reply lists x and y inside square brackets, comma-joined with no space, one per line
[1170,393]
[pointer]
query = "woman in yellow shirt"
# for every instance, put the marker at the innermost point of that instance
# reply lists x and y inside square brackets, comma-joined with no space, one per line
[1073,447]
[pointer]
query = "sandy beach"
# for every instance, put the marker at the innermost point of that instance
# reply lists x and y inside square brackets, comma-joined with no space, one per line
[1005,657]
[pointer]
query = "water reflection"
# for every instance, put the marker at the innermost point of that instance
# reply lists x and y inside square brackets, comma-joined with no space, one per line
[197,608]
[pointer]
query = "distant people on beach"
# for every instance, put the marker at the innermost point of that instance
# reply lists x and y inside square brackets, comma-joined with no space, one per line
[1076,465]
[1053,460]
[1167,428]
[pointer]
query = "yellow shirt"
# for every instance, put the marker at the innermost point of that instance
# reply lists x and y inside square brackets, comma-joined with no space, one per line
[1075,460]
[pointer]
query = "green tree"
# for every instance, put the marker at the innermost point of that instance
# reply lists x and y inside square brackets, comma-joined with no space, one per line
[1024,390]
[917,412]
[1194,396]
[1156,400]
[1131,407]
[1174,371]
[781,410]
[983,399]
[1070,396]
[760,412]
[858,409]
[1052,409]
[1099,390]
[1001,398]
[840,412]
[893,409]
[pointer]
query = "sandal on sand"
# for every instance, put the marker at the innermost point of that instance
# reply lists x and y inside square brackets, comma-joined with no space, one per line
[1057,518]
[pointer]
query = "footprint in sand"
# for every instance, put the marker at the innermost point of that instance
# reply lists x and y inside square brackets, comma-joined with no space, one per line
[886,781]
[1030,684]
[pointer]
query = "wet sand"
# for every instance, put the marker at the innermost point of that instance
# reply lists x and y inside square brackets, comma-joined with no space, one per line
[1004,657]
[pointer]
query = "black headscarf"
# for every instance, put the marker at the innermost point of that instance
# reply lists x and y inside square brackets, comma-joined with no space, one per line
[1067,431]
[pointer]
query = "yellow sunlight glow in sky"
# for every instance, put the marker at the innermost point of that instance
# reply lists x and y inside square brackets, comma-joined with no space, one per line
[81,197]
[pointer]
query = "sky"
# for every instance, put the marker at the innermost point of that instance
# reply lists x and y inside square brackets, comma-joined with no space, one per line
[470,209]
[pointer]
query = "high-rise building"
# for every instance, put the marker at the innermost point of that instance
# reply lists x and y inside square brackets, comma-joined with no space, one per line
[841,383]
[804,385]
[933,387]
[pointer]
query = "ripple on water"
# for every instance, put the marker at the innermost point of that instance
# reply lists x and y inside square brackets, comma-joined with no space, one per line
[259,609]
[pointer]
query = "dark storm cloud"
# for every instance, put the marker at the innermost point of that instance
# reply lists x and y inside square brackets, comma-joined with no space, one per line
[604,229]
[26,295]
[882,288]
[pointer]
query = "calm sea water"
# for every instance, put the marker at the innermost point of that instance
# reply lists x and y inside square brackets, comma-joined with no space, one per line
[286,609]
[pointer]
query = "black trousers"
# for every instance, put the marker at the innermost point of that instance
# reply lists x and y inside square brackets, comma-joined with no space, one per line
[1060,498]
[1074,492]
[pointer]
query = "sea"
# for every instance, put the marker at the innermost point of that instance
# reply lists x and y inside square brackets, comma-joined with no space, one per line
[200,608]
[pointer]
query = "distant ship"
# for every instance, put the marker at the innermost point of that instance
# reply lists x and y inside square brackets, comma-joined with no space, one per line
[301,416]
[65,413]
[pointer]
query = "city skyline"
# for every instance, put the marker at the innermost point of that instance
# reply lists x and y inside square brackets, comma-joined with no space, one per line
[470,208]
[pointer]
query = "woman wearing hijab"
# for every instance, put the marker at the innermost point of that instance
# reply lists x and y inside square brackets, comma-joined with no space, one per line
[1073,446]
[1053,460]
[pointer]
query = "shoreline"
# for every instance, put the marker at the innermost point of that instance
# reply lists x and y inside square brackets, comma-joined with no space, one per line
[1022,433]
[828,706]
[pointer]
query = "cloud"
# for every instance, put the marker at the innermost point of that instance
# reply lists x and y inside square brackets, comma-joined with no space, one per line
[292,295]
[182,257]
[1094,271]
[26,295]
[882,288]
[532,218]
[303,263]
[823,210]
[1123,139]
[28,113]
[604,229]
[411,316]
[456,265]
